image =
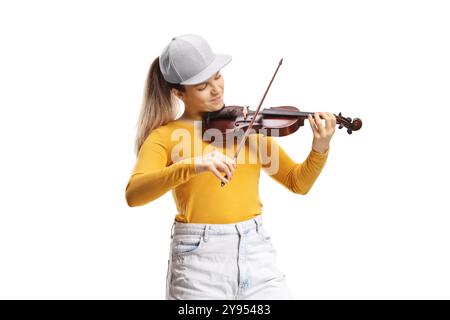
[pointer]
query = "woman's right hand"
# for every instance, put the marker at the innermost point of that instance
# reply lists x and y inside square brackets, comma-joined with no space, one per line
[216,162]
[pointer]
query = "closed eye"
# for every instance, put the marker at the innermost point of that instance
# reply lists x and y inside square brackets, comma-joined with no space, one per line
[218,77]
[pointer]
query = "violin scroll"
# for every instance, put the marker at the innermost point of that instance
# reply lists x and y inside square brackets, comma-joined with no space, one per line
[351,125]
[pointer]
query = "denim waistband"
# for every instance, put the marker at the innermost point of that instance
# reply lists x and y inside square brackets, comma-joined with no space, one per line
[225,228]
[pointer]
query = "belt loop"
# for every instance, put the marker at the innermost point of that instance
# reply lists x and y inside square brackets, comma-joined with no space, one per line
[171,231]
[205,232]
[238,229]
[257,224]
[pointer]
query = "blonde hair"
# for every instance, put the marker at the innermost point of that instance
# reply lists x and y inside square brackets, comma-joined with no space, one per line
[158,104]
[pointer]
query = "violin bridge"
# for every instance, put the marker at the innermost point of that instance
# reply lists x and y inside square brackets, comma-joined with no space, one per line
[245,112]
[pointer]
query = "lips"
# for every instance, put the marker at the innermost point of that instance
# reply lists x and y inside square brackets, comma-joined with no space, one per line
[216,99]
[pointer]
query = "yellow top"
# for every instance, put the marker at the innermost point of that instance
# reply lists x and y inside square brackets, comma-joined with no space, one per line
[165,162]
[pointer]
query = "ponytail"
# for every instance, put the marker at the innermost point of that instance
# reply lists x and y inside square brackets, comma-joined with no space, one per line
[158,105]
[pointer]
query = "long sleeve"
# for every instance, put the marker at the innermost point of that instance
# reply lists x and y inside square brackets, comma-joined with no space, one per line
[297,177]
[152,176]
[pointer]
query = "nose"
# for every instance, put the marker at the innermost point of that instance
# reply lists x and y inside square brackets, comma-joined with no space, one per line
[215,89]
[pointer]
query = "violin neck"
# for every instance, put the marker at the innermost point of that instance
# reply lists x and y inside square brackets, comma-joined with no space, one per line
[287,113]
[293,114]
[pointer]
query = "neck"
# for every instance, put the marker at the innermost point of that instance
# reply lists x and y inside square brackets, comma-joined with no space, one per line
[191,117]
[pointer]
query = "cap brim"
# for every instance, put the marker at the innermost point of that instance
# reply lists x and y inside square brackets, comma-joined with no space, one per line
[218,63]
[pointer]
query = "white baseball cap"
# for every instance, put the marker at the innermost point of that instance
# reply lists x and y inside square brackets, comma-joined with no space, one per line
[188,59]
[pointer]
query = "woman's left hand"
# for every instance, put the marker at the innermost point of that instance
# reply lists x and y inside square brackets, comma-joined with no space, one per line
[322,134]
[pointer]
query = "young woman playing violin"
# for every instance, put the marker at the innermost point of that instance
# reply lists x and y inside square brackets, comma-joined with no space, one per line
[219,248]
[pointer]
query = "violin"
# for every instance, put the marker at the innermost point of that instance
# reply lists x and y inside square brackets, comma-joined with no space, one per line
[274,121]
[239,121]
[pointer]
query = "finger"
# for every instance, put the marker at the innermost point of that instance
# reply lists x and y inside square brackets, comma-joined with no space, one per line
[218,174]
[224,168]
[311,122]
[234,163]
[320,127]
[333,119]
[228,168]
[230,165]
[229,161]
[328,121]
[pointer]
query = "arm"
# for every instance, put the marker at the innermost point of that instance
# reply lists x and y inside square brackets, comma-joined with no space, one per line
[297,177]
[300,177]
[151,177]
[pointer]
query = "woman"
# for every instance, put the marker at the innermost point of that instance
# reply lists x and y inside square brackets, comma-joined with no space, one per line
[219,247]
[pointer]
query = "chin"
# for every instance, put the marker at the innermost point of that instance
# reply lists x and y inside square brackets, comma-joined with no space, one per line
[218,105]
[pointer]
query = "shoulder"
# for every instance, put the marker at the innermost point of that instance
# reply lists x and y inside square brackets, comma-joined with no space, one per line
[163,134]
[160,133]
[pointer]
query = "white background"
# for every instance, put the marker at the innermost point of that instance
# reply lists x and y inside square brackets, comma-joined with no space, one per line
[374,226]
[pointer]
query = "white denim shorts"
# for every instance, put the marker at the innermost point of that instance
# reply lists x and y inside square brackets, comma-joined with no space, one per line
[223,262]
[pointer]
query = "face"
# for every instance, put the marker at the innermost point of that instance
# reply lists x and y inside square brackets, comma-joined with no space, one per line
[203,97]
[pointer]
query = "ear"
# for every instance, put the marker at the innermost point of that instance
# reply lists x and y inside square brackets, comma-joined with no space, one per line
[177,93]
